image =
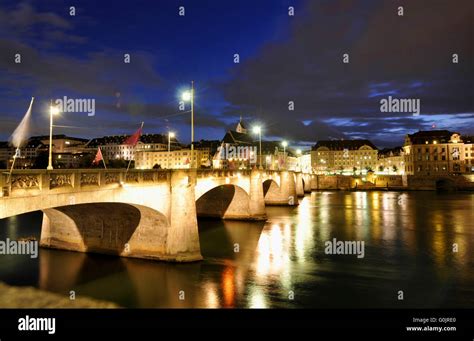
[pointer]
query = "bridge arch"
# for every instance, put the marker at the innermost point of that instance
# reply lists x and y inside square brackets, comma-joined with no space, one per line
[113,228]
[270,185]
[226,201]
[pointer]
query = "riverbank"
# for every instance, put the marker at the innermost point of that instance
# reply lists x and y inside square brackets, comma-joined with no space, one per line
[29,297]
[382,182]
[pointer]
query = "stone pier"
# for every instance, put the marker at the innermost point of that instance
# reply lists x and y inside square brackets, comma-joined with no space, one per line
[285,194]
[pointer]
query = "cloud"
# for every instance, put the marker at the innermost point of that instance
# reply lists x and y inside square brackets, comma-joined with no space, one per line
[24,17]
[407,57]
[100,73]
[47,71]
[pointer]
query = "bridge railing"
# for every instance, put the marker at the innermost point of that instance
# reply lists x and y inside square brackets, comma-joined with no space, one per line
[220,173]
[33,182]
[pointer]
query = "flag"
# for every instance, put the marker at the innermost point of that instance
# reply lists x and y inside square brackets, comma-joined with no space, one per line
[20,135]
[98,157]
[133,140]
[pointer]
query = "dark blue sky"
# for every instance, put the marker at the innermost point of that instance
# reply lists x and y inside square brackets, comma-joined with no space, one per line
[282,59]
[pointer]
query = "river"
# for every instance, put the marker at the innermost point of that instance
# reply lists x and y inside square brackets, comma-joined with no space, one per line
[409,238]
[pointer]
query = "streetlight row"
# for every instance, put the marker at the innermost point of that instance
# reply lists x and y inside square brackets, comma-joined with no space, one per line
[187,96]
[258,131]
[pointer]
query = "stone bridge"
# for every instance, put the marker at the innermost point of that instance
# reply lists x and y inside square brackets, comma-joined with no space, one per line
[142,213]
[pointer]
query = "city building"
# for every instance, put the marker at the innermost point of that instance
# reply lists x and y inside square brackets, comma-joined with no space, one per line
[114,147]
[208,150]
[304,162]
[25,157]
[63,143]
[468,154]
[344,156]
[68,152]
[275,157]
[237,149]
[4,154]
[391,161]
[175,159]
[241,150]
[438,152]
[241,127]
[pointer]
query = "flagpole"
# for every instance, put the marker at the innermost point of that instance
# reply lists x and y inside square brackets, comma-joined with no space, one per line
[102,158]
[13,164]
[18,136]
[130,161]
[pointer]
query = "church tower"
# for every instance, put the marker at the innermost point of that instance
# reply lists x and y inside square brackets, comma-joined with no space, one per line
[241,127]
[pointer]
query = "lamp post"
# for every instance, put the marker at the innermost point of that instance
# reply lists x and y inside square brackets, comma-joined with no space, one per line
[258,130]
[284,144]
[52,111]
[170,135]
[189,96]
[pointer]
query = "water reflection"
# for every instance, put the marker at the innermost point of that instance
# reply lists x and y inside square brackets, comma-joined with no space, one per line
[273,255]
[304,240]
[409,239]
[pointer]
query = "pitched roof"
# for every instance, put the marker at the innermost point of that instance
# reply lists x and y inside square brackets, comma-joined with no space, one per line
[242,125]
[270,147]
[420,137]
[468,139]
[212,145]
[58,137]
[34,143]
[390,151]
[31,143]
[120,139]
[343,144]
[234,137]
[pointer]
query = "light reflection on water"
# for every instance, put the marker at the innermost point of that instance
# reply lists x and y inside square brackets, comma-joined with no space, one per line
[408,239]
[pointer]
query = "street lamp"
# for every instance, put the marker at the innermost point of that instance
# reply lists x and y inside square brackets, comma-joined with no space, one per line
[52,111]
[170,135]
[284,144]
[189,96]
[258,130]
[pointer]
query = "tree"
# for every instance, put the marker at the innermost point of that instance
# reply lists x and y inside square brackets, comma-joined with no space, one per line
[120,163]
[157,166]
[86,160]
[41,160]
[368,169]
[394,168]
[354,170]
[381,168]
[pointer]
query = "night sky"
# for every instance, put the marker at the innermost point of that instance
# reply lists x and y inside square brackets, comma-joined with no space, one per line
[282,58]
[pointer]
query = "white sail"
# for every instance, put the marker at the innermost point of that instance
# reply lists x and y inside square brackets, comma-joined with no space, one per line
[20,135]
